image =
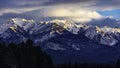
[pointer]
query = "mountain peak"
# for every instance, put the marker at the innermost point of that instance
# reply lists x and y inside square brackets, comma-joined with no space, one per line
[21,21]
[48,29]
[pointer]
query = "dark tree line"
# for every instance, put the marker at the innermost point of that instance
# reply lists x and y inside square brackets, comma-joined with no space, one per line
[23,55]
[85,65]
[27,55]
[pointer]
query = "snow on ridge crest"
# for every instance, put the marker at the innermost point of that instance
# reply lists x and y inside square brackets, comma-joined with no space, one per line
[111,30]
[67,24]
[20,21]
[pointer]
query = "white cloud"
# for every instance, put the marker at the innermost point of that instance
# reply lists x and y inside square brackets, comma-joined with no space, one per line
[76,15]
[82,11]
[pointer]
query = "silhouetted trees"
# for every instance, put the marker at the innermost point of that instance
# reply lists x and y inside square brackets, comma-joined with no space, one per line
[28,55]
[85,65]
[23,55]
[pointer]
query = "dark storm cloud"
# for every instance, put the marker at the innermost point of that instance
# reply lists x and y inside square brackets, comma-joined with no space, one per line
[100,4]
[18,3]
[108,2]
[51,2]
[24,3]
[28,3]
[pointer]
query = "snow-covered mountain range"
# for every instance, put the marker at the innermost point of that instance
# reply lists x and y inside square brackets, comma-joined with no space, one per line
[18,29]
[64,38]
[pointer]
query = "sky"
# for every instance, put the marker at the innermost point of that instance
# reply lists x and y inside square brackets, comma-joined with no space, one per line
[83,11]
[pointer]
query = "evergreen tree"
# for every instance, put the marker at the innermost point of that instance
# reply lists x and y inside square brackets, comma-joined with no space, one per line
[118,64]
[24,55]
